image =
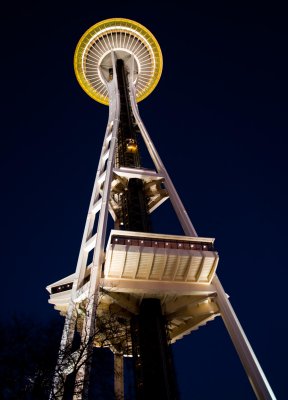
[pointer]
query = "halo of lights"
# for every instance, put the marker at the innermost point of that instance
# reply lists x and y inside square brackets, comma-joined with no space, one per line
[125,37]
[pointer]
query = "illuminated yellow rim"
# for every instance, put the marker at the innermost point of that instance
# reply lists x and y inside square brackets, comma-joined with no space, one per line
[95,31]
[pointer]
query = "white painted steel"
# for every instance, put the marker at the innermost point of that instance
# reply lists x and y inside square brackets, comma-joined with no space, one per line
[100,203]
[246,354]
[98,257]
[109,144]
[177,204]
[254,371]
[160,264]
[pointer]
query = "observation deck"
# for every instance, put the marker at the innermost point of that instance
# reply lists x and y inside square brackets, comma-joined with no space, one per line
[126,38]
[175,269]
[154,257]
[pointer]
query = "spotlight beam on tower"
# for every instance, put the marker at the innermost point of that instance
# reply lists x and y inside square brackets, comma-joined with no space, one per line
[157,282]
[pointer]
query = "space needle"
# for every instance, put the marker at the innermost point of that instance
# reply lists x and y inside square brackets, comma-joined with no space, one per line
[159,287]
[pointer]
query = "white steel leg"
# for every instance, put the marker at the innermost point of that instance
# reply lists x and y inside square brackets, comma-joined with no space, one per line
[177,204]
[252,367]
[98,257]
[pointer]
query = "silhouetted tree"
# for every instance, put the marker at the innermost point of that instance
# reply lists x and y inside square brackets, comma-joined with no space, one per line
[110,331]
[29,351]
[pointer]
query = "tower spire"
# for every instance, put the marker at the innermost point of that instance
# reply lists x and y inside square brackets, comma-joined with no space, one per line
[158,283]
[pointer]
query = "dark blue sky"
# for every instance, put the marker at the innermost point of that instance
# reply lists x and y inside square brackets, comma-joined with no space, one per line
[219,120]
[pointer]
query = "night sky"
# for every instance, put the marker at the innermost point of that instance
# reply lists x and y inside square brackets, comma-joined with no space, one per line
[218,118]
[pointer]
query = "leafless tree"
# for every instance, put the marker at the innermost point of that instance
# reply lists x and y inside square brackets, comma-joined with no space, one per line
[111,331]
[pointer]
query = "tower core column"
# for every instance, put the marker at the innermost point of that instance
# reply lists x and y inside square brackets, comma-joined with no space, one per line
[153,366]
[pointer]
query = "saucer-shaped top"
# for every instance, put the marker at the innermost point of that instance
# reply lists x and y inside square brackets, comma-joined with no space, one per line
[92,59]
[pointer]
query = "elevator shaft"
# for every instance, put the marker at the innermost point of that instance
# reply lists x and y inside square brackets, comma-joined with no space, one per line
[133,214]
[155,378]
